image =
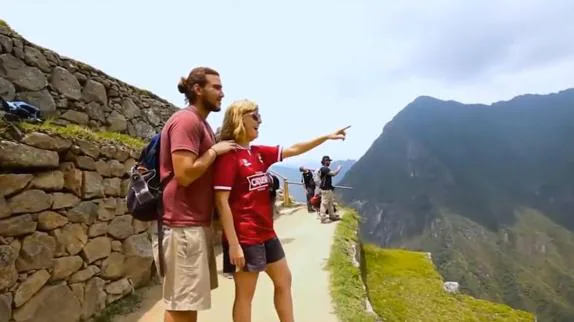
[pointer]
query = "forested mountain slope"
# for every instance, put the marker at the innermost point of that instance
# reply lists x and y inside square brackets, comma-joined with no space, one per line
[488,189]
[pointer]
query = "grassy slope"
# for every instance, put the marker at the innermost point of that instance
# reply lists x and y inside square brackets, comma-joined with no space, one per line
[403,286]
[72,131]
[346,285]
[525,265]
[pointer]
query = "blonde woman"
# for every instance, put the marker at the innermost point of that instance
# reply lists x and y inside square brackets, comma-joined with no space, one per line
[250,245]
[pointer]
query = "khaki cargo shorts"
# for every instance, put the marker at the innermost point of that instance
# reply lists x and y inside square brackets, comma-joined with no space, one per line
[190,267]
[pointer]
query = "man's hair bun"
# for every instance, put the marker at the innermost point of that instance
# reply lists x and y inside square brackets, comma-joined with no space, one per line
[181,86]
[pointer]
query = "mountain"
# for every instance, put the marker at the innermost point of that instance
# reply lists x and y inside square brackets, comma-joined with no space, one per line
[488,189]
[292,174]
[345,166]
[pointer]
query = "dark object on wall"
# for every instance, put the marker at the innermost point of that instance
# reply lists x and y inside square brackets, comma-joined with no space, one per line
[20,111]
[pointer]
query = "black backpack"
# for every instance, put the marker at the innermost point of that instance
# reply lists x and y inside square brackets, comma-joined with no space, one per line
[144,197]
[145,191]
[308,179]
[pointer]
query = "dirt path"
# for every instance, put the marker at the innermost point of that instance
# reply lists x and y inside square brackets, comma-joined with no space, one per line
[307,244]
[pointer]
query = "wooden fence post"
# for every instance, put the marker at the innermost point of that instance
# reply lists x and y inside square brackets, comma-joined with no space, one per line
[286,199]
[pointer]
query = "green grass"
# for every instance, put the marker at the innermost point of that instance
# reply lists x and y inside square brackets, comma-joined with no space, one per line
[528,265]
[73,131]
[4,24]
[402,286]
[405,286]
[346,285]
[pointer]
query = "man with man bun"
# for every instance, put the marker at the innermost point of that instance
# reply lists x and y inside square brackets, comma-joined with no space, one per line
[187,150]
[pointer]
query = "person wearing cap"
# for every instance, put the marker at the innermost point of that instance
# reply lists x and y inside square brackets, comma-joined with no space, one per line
[309,184]
[327,210]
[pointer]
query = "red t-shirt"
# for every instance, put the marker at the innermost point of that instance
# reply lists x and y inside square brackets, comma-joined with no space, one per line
[243,172]
[191,205]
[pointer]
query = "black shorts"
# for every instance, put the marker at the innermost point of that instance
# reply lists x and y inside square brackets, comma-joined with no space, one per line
[256,256]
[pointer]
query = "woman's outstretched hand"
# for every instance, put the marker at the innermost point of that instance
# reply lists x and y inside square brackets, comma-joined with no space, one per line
[339,135]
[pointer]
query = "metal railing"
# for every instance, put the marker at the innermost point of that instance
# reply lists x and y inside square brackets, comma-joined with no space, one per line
[286,183]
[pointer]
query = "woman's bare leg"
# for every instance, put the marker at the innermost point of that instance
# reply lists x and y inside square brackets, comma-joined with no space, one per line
[245,283]
[281,276]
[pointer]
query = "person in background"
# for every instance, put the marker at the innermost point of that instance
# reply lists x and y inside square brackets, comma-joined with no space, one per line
[309,185]
[327,210]
[250,244]
[187,151]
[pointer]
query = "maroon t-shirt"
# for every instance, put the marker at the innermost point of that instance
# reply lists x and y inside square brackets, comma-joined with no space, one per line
[191,205]
[243,173]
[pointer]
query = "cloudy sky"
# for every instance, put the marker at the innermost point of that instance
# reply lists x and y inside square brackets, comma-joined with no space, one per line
[315,66]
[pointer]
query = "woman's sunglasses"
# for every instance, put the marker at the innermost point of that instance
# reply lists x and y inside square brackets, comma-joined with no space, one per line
[255,116]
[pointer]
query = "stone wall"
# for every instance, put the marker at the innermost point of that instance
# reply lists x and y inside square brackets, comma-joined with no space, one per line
[71,91]
[68,246]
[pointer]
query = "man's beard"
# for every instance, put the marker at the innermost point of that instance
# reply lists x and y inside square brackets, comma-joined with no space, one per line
[211,107]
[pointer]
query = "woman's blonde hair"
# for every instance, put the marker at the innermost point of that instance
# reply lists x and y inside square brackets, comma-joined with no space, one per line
[232,127]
